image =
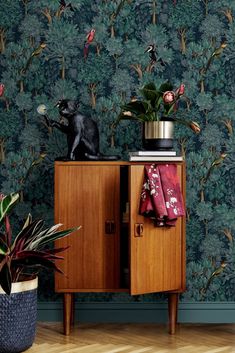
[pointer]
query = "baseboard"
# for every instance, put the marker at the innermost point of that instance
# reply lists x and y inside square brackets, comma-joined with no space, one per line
[189,312]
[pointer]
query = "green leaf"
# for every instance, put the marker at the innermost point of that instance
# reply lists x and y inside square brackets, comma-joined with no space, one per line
[6,204]
[56,250]
[3,261]
[31,231]
[35,261]
[150,86]
[150,94]
[23,255]
[158,102]
[28,221]
[168,108]
[136,107]
[3,245]
[166,86]
[50,237]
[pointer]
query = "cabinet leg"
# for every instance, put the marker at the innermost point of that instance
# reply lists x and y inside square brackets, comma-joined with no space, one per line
[72,310]
[172,311]
[67,312]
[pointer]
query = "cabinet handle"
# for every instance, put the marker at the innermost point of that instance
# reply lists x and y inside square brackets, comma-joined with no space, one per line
[139,229]
[110,227]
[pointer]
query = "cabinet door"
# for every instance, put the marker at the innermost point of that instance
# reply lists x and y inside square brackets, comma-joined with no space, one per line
[157,258]
[88,196]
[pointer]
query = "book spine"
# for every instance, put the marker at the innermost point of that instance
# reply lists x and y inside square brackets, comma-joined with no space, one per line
[155,159]
[153,153]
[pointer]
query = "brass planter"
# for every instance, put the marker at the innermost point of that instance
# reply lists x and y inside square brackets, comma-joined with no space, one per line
[158,135]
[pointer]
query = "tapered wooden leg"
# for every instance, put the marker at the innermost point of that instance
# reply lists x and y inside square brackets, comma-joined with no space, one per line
[72,310]
[67,312]
[172,311]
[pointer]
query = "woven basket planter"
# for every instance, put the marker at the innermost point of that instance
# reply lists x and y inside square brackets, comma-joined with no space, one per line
[18,315]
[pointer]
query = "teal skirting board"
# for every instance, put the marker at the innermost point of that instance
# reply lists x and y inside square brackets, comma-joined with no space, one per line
[189,312]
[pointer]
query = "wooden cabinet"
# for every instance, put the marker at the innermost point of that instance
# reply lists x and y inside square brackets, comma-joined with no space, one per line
[94,195]
[88,195]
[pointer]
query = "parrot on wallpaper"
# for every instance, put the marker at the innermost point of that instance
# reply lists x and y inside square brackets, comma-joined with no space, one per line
[89,39]
[215,54]
[153,55]
[35,53]
[64,6]
[2,88]
[216,273]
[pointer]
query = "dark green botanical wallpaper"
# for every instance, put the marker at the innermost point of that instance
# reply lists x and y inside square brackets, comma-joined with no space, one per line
[42,60]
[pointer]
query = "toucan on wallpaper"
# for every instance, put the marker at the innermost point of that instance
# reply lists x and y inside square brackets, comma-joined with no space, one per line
[95,51]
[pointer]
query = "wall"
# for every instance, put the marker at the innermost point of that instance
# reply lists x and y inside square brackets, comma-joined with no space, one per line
[188,35]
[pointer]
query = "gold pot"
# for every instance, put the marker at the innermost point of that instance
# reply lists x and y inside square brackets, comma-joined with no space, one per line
[158,135]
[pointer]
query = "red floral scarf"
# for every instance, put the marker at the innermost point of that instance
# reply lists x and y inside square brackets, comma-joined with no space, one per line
[161,197]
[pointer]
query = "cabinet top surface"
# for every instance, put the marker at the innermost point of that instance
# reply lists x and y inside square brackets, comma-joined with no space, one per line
[110,163]
[74,163]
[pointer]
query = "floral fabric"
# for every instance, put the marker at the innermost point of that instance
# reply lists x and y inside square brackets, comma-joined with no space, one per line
[161,197]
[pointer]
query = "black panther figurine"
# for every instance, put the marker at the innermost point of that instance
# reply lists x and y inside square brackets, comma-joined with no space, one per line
[82,133]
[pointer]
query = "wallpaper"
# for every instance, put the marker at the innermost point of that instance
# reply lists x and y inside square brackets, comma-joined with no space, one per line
[46,54]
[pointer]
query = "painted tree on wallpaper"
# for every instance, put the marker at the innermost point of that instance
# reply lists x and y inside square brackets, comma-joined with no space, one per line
[42,60]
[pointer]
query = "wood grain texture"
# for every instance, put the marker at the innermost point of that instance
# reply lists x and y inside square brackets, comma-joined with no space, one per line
[157,262]
[135,338]
[88,196]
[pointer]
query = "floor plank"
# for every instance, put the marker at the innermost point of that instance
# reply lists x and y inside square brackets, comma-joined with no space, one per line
[134,338]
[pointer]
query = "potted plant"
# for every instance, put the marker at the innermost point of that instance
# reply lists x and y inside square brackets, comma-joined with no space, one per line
[20,259]
[154,109]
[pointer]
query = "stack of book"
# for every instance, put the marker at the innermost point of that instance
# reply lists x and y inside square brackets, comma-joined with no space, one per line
[154,156]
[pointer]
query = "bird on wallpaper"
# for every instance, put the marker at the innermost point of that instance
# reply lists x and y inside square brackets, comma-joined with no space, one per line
[152,53]
[35,53]
[38,50]
[214,164]
[64,6]
[217,52]
[89,39]
[2,88]
[151,49]
[216,273]
[38,160]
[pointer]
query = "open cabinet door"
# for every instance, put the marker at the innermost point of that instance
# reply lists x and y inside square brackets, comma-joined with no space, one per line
[157,254]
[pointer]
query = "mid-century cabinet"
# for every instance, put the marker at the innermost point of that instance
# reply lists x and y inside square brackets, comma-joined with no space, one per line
[112,243]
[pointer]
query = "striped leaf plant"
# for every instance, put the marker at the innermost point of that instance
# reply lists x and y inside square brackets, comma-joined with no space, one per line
[23,255]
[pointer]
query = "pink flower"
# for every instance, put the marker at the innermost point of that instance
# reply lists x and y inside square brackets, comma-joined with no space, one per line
[168,97]
[2,87]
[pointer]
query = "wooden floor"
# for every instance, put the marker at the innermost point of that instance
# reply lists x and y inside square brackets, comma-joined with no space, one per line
[135,338]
